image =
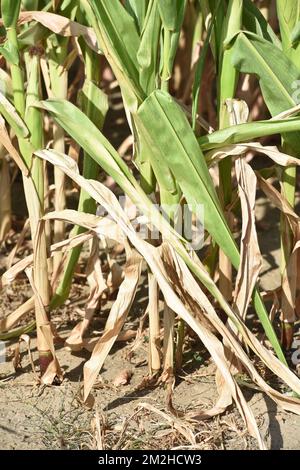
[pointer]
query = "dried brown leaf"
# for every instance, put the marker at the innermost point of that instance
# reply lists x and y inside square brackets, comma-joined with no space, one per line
[61,25]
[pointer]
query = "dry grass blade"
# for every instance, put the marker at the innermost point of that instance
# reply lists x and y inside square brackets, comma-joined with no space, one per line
[250,263]
[161,78]
[8,322]
[289,278]
[279,201]
[115,321]
[282,159]
[250,254]
[19,243]
[5,196]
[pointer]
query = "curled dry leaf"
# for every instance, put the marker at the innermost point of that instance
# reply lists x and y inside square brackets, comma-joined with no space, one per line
[60,25]
[8,322]
[186,282]
[215,156]
[279,201]
[53,371]
[250,257]
[97,286]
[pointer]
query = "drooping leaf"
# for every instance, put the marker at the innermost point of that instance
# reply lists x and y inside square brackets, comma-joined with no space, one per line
[168,129]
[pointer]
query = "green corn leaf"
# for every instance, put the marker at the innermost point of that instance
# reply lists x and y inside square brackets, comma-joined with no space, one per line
[217,7]
[289,17]
[10,114]
[278,76]
[253,54]
[147,55]
[138,10]
[95,144]
[168,129]
[30,5]
[255,22]
[97,100]
[80,127]
[171,12]
[295,34]
[10,12]
[152,152]
[248,131]
[172,15]
[289,20]
[119,39]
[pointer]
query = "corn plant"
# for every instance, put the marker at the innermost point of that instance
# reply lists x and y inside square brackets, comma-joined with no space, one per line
[178,160]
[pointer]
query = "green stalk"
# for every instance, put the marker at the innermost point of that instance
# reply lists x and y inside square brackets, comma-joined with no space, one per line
[228,77]
[17,76]
[90,170]
[33,184]
[34,193]
[166,51]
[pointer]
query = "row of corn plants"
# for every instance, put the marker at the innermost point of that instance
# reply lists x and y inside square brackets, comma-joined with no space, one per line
[54,103]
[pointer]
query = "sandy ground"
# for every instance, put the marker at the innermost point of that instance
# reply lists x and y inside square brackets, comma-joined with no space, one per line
[32,417]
